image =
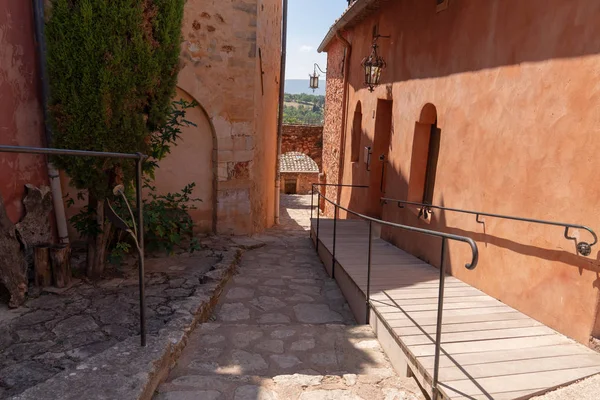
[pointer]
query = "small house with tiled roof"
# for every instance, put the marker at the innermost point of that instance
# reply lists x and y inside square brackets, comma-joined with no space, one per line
[298,172]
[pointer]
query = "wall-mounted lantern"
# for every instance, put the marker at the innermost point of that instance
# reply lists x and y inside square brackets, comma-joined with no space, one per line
[373,65]
[314,78]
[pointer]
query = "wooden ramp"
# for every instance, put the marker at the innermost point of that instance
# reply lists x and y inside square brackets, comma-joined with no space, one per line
[489,350]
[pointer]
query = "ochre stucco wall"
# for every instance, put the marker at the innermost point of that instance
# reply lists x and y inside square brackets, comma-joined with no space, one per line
[221,69]
[21,120]
[515,86]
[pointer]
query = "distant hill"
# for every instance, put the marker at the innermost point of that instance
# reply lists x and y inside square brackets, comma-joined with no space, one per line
[299,86]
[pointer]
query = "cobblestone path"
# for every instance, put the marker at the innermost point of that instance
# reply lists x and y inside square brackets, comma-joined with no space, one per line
[284,331]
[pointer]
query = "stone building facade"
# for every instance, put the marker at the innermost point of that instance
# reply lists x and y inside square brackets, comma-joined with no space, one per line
[230,59]
[230,65]
[306,139]
[486,106]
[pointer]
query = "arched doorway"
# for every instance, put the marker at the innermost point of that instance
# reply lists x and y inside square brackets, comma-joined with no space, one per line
[192,161]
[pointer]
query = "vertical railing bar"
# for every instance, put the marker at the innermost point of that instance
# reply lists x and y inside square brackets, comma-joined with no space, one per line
[140,238]
[312,201]
[438,330]
[368,306]
[335,216]
[318,219]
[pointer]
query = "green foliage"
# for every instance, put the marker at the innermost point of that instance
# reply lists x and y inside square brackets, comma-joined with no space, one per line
[162,140]
[308,112]
[166,220]
[167,223]
[307,99]
[118,254]
[113,67]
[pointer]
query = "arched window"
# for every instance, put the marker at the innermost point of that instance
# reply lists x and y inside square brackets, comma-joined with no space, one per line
[356,133]
[424,158]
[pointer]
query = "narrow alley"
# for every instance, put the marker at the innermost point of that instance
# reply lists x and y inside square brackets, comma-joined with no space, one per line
[282,330]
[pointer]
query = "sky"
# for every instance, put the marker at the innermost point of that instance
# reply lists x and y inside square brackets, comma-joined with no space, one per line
[308,23]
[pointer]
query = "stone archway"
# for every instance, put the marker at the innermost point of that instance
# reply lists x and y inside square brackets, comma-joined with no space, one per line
[192,160]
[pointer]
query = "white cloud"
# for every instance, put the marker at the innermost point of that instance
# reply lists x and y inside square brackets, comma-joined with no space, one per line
[305,48]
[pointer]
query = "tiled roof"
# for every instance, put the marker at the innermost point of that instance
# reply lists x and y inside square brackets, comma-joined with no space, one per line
[357,10]
[297,162]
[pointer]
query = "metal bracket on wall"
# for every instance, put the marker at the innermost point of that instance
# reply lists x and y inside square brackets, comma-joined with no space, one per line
[368,157]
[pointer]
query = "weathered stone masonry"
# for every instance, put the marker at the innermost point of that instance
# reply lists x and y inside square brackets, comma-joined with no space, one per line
[306,139]
[221,70]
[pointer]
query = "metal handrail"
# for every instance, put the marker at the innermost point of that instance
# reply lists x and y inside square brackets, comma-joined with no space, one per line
[312,195]
[583,248]
[442,269]
[139,159]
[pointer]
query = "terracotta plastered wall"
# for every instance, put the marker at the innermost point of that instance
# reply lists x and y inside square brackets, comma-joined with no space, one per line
[21,119]
[306,139]
[514,86]
[221,70]
[333,120]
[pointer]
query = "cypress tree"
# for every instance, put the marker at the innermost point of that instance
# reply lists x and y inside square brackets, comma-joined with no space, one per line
[113,68]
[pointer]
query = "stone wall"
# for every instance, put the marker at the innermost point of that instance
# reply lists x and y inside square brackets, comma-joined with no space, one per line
[221,69]
[510,85]
[332,138]
[21,119]
[306,139]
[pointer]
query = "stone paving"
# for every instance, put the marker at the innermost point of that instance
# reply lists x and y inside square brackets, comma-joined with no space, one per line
[283,330]
[57,331]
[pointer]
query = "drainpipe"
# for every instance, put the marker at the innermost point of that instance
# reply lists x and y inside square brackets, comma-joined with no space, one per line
[280,117]
[345,106]
[57,196]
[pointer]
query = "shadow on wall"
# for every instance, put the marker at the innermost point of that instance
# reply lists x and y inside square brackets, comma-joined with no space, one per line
[536,253]
[501,33]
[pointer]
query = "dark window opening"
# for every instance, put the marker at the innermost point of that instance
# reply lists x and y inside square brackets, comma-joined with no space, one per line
[290,186]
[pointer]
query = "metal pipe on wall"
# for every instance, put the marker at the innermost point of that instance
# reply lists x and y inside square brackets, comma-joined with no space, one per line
[280,116]
[345,106]
[53,174]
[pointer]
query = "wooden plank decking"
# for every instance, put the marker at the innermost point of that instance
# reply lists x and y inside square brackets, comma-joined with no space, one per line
[489,351]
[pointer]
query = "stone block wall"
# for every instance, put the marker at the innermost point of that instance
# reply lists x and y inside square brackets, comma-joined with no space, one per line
[221,70]
[306,139]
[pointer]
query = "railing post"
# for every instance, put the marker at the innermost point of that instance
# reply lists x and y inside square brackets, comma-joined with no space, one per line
[335,215]
[140,238]
[312,201]
[438,330]
[368,305]
[318,219]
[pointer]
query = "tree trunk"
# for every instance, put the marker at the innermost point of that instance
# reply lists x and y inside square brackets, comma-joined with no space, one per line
[12,262]
[41,263]
[61,265]
[96,255]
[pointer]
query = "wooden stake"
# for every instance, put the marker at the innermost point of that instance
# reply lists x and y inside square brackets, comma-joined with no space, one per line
[60,256]
[42,270]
